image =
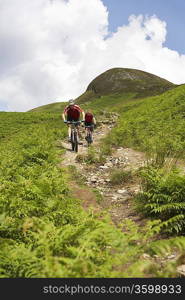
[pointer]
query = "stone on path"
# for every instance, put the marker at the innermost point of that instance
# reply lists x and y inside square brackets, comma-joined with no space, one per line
[123,191]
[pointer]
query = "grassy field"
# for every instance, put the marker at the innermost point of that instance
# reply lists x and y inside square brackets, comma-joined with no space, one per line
[44,232]
[155,125]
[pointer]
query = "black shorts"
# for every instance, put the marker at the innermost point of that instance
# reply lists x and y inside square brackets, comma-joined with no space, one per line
[69,119]
[89,124]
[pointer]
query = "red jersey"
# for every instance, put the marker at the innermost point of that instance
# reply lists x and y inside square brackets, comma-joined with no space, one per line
[88,117]
[73,111]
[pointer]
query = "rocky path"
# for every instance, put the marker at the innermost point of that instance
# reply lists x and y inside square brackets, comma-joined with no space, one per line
[116,199]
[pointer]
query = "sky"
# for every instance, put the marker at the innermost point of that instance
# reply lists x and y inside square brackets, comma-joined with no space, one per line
[171,11]
[50,50]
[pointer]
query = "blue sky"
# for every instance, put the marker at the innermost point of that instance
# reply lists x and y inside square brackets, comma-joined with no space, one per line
[170,11]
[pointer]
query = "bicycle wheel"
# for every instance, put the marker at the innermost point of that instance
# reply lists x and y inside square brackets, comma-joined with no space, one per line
[89,139]
[72,141]
[75,142]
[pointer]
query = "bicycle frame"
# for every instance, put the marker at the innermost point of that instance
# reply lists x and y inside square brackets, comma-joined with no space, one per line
[89,134]
[74,134]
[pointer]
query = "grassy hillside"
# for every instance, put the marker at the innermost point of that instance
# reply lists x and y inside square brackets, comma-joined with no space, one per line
[14,122]
[155,125]
[123,81]
[115,87]
[44,232]
[53,107]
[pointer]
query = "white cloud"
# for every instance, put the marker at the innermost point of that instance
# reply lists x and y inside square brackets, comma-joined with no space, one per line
[51,49]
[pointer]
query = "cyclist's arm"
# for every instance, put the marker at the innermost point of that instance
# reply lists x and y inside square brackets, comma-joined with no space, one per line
[94,120]
[83,115]
[63,116]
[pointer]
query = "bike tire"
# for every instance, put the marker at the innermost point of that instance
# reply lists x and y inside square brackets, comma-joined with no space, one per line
[72,142]
[75,142]
[89,139]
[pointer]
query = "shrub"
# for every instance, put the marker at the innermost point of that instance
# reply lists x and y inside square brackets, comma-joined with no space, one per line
[163,198]
[120,176]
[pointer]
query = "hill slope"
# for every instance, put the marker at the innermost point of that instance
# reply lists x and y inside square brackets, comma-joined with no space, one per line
[45,232]
[127,80]
[120,83]
[52,107]
[156,124]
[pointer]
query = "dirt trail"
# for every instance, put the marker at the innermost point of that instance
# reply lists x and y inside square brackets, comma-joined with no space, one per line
[117,200]
[69,157]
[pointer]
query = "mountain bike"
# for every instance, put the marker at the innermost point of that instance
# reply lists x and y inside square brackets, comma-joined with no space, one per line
[88,137]
[74,134]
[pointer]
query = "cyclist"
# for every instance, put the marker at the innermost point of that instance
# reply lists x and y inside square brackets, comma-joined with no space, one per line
[72,113]
[89,121]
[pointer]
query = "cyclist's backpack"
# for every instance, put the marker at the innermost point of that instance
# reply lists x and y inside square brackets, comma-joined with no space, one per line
[88,117]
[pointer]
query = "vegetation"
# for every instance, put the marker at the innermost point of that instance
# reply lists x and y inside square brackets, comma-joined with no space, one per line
[163,198]
[44,232]
[155,126]
[120,176]
[123,80]
[14,122]
[53,107]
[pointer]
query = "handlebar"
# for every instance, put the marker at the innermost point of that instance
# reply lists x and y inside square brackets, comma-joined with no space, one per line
[73,122]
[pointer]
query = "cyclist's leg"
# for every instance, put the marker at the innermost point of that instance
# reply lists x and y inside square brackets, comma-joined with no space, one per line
[69,128]
[86,129]
[91,131]
[69,132]
[79,135]
[78,130]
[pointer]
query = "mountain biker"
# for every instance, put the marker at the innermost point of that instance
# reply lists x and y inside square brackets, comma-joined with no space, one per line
[89,121]
[72,113]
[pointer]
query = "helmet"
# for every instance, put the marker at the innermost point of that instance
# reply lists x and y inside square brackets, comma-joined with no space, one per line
[71,102]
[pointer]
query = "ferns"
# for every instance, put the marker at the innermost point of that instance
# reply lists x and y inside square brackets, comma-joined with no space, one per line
[163,197]
[45,233]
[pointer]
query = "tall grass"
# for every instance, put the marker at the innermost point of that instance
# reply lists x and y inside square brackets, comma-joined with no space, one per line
[46,233]
[155,126]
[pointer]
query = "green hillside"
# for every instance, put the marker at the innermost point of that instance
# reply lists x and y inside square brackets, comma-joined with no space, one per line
[123,81]
[155,124]
[115,87]
[53,107]
[14,122]
[44,230]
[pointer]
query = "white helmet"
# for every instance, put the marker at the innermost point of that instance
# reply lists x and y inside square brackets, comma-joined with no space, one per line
[71,102]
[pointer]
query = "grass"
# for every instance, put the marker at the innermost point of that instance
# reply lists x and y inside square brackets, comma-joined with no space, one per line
[126,80]
[44,232]
[120,177]
[155,126]
[52,107]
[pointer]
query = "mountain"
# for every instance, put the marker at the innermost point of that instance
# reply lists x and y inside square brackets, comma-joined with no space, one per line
[127,84]
[124,80]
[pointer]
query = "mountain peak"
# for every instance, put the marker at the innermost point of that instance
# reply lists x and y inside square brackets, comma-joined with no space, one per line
[118,80]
